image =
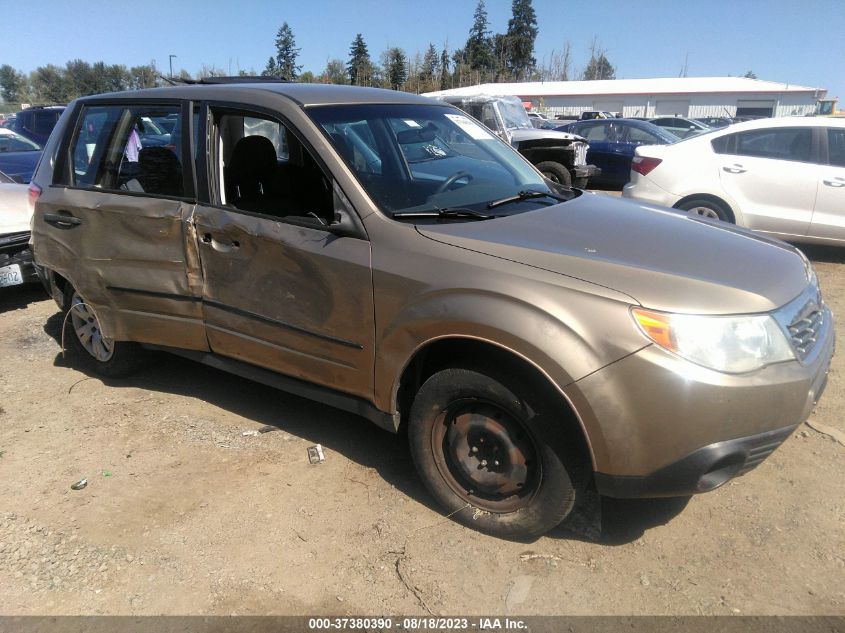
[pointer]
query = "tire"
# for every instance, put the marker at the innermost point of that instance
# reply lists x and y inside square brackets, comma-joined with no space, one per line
[82,335]
[555,172]
[461,421]
[707,208]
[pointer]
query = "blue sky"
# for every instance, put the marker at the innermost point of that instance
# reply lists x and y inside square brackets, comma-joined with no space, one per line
[789,41]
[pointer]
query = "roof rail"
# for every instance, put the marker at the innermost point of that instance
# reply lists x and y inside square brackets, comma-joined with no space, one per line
[238,79]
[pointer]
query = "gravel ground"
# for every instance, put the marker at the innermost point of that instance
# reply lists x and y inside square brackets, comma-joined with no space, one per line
[184,514]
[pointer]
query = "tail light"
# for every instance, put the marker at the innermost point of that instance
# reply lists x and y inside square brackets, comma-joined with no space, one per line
[645,164]
[34,192]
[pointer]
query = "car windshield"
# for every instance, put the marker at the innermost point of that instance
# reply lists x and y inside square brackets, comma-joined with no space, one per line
[514,115]
[13,142]
[413,158]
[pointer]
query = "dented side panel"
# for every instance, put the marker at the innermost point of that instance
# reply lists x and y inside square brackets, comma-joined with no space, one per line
[128,257]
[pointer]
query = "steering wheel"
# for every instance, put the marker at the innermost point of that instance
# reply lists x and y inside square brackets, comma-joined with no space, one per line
[451,180]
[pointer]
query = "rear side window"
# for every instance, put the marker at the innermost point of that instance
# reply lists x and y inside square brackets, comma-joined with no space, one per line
[636,135]
[722,144]
[119,148]
[836,147]
[792,144]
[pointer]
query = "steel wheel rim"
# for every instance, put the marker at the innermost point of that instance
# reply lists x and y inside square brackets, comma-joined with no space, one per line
[486,455]
[86,328]
[705,212]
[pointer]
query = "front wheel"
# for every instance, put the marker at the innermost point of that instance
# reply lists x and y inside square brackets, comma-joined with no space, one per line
[96,351]
[493,456]
[556,172]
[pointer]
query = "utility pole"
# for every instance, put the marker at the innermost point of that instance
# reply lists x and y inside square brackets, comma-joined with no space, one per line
[171,65]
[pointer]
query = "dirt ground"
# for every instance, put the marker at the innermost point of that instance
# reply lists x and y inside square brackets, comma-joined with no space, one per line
[184,514]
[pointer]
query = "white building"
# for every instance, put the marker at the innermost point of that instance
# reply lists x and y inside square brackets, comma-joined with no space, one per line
[681,96]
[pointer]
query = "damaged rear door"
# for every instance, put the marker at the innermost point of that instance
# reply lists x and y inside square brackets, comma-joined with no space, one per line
[113,222]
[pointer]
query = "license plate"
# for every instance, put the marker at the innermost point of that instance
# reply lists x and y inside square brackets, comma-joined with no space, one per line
[10,275]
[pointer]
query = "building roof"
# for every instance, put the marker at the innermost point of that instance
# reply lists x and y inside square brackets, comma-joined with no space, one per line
[606,87]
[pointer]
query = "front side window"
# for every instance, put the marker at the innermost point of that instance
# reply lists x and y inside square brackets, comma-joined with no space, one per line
[836,147]
[426,157]
[119,148]
[262,167]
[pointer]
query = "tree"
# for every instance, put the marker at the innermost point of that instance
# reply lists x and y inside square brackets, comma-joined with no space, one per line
[307,78]
[286,54]
[12,84]
[430,64]
[478,52]
[143,76]
[396,68]
[444,69]
[335,72]
[270,70]
[78,79]
[360,66]
[598,67]
[520,37]
[48,84]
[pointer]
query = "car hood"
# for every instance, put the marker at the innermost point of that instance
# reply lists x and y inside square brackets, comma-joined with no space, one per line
[15,212]
[536,134]
[662,259]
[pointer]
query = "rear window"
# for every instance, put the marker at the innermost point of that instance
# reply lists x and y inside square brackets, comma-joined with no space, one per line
[118,148]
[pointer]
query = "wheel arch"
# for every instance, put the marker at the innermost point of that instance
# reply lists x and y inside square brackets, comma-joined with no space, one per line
[440,353]
[713,198]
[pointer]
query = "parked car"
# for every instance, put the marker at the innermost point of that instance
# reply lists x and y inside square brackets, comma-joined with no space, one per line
[715,122]
[612,144]
[560,157]
[16,266]
[18,155]
[404,263]
[37,122]
[784,177]
[680,127]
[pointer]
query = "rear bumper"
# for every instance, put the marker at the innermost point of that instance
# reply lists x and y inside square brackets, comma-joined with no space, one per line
[15,249]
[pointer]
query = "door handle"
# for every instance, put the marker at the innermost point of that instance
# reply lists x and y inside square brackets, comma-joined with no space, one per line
[736,168]
[834,182]
[63,220]
[222,246]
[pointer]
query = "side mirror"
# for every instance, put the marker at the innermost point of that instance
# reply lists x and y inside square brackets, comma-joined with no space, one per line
[343,225]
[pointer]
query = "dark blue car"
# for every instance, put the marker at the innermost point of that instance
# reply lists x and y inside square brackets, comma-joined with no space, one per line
[18,156]
[612,144]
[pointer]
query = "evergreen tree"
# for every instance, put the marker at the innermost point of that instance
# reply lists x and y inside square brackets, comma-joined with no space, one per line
[270,70]
[360,66]
[599,68]
[478,52]
[430,64]
[286,54]
[522,32]
[397,68]
[444,69]
[48,84]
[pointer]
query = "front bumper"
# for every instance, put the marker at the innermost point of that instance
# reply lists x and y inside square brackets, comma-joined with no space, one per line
[15,249]
[659,425]
[583,173]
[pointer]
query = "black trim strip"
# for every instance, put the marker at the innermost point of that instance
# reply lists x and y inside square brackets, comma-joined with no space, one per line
[243,313]
[302,388]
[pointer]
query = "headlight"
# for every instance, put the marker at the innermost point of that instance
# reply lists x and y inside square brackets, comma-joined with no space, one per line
[730,344]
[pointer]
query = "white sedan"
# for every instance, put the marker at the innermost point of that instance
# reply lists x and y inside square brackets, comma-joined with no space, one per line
[784,177]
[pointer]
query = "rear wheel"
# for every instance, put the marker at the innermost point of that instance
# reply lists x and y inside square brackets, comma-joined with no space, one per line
[95,350]
[556,172]
[492,455]
[707,208]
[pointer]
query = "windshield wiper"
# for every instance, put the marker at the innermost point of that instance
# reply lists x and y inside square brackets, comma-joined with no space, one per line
[526,195]
[446,213]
